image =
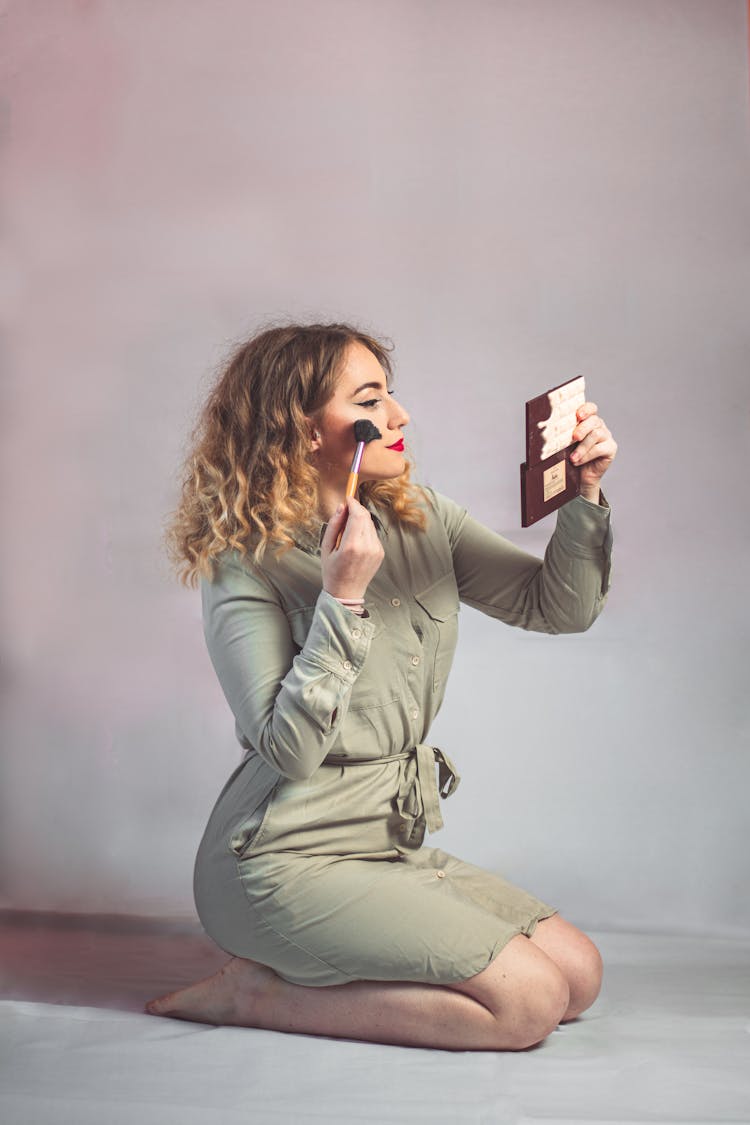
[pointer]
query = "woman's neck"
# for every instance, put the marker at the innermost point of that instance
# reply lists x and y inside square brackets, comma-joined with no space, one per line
[330,495]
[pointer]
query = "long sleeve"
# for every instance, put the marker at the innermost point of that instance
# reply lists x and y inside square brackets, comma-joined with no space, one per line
[288,703]
[563,593]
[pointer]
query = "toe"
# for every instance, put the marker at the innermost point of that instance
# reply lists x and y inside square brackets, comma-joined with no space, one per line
[155,1007]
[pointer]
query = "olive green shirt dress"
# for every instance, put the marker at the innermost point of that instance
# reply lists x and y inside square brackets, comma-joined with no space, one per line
[313,860]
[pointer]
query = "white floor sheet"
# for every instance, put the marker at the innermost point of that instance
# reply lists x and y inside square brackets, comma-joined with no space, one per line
[668,1040]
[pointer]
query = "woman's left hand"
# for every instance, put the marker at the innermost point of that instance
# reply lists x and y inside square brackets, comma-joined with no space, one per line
[595,451]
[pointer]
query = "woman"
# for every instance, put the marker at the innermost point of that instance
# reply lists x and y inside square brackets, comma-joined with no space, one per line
[312,871]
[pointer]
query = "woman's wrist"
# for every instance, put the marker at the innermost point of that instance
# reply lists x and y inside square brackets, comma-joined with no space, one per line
[348,595]
[354,602]
[591,493]
[356,605]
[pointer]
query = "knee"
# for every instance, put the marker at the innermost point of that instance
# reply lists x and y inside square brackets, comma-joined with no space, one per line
[541,1009]
[585,981]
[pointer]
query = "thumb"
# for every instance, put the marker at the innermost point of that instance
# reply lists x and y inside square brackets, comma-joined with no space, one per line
[334,523]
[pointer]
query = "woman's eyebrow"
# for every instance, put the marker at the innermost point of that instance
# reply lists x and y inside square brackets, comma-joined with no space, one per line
[377,386]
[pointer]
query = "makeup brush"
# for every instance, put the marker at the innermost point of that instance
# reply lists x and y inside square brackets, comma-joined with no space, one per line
[364,431]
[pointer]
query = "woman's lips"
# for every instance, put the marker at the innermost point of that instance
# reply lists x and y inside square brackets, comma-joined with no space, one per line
[398,445]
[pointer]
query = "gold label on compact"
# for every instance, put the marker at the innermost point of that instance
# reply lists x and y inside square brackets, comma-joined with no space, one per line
[554,480]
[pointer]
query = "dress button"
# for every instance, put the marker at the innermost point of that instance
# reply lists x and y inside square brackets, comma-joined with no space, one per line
[415,660]
[440,874]
[415,713]
[357,633]
[395,601]
[348,665]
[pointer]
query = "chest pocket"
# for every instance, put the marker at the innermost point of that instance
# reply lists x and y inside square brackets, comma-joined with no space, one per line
[441,604]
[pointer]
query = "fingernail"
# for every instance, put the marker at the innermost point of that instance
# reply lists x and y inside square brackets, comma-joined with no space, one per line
[339,509]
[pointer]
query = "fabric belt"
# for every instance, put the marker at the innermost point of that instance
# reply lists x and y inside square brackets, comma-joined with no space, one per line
[418,791]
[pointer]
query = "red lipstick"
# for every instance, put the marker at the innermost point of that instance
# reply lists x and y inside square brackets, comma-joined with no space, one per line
[398,445]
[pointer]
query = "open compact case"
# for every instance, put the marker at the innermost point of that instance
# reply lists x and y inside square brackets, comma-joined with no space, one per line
[548,477]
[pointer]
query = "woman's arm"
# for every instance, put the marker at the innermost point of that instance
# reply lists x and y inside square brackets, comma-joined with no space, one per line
[291,707]
[289,704]
[565,592]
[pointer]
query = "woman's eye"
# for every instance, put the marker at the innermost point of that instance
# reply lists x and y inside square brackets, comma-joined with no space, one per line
[372,401]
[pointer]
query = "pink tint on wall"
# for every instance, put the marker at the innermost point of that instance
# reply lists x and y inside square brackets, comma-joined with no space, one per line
[64,88]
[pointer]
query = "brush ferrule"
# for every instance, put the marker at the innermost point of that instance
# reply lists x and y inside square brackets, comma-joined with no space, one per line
[358,456]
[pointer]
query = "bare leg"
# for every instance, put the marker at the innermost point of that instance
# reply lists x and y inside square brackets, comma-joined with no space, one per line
[577,958]
[512,1004]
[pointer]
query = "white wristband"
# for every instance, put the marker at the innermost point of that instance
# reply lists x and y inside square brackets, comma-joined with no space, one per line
[356,605]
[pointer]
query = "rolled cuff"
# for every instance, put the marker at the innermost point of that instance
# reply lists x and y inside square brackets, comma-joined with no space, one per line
[338,640]
[585,529]
[585,526]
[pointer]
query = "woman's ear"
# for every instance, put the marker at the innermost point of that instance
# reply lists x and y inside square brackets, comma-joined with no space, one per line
[314,436]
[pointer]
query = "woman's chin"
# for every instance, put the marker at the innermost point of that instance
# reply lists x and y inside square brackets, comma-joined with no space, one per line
[396,472]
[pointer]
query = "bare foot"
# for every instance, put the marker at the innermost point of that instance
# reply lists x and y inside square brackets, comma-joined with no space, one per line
[233,995]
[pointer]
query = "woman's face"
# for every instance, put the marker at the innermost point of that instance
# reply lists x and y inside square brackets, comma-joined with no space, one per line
[361,392]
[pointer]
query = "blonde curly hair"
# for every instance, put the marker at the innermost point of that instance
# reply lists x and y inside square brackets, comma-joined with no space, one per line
[246,479]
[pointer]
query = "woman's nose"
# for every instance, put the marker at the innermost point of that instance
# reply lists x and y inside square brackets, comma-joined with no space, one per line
[399,416]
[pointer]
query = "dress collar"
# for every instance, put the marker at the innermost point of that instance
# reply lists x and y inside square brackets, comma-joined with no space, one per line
[309,538]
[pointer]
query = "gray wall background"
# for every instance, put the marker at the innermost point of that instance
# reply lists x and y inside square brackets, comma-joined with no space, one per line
[515,193]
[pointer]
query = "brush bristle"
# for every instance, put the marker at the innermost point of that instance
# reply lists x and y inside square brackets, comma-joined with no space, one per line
[365,430]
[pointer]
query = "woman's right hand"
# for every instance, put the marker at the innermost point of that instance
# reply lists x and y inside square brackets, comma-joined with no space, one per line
[348,571]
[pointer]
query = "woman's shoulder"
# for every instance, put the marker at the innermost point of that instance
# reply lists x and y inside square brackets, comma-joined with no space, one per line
[233,567]
[447,512]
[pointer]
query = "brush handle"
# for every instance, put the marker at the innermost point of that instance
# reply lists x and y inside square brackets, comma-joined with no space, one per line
[351,490]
